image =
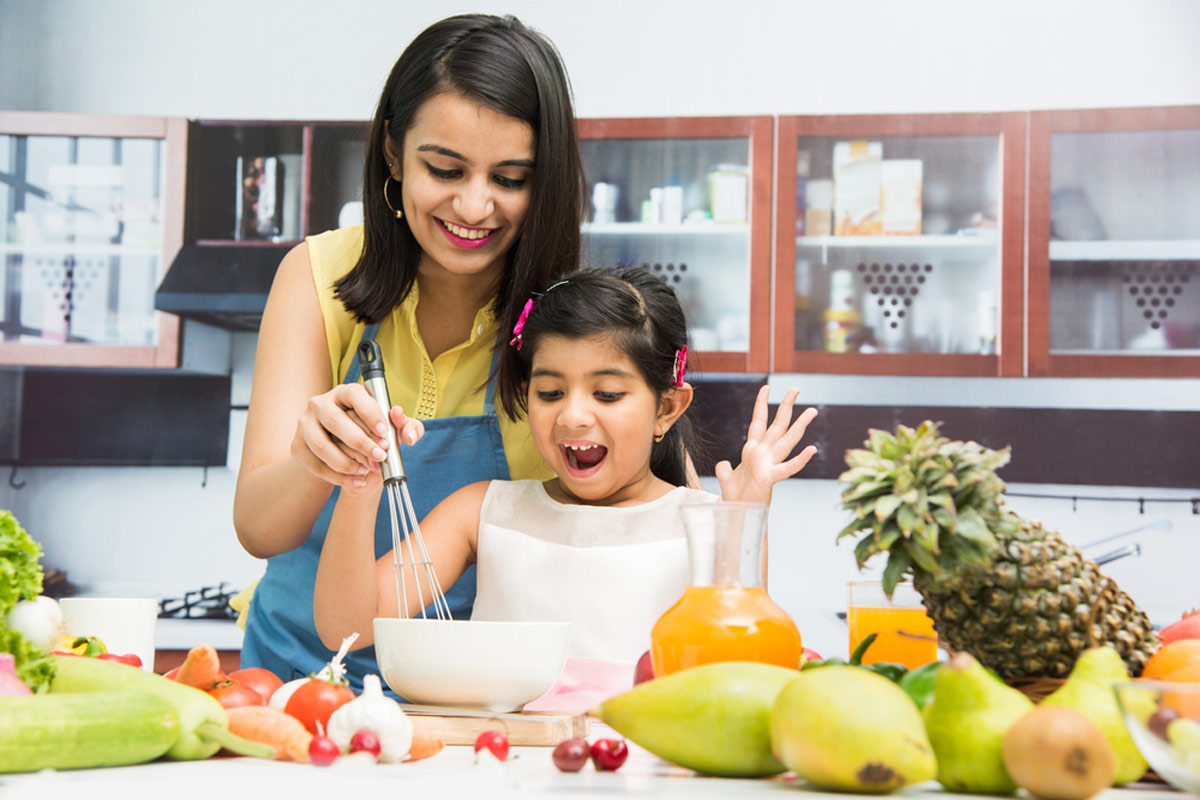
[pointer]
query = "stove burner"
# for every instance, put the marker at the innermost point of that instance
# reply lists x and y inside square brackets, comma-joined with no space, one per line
[210,602]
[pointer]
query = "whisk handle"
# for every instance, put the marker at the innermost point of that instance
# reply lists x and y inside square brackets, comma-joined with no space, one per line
[370,364]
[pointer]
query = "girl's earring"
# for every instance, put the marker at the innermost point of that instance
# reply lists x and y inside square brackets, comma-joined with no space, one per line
[399,214]
[659,438]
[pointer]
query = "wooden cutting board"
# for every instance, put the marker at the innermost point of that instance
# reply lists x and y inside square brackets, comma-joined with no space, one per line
[533,728]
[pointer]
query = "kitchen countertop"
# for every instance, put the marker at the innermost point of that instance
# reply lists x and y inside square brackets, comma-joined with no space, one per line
[451,773]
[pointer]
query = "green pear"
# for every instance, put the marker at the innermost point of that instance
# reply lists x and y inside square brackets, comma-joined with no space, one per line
[1089,690]
[711,718]
[967,720]
[849,729]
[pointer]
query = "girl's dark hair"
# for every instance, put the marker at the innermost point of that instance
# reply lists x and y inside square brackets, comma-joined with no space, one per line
[641,314]
[509,68]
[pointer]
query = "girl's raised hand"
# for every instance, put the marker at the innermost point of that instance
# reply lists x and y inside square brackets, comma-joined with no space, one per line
[341,434]
[765,454]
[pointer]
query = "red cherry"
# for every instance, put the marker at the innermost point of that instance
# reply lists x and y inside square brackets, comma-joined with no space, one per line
[322,751]
[571,754]
[609,754]
[496,743]
[365,740]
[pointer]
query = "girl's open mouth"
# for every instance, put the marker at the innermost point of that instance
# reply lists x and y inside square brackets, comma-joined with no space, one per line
[467,237]
[584,459]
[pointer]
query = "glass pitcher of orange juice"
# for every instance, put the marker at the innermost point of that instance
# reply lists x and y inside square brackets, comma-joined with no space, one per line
[725,613]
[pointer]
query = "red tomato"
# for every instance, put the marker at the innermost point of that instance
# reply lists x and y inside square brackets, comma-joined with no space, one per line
[132,659]
[260,680]
[172,674]
[232,694]
[313,702]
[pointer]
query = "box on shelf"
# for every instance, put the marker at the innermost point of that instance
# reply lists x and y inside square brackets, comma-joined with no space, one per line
[901,196]
[857,188]
[818,211]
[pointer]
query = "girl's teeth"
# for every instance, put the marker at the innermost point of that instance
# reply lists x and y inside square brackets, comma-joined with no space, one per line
[466,233]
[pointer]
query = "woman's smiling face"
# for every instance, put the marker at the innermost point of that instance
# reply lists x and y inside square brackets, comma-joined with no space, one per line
[593,418]
[466,177]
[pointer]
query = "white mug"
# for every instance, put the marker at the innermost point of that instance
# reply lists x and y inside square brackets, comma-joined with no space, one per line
[124,624]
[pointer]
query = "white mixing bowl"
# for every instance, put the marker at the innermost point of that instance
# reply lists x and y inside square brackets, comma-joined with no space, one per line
[497,666]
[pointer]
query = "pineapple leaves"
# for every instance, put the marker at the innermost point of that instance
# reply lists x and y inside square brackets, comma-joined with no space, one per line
[897,566]
[854,527]
[877,543]
[886,505]
[972,528]
[863,490]
[921,557]
[909,521]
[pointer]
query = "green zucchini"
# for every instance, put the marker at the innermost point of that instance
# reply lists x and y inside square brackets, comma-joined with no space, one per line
[75,731]
[204,724]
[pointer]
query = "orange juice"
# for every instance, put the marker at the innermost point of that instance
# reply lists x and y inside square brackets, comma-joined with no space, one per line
[906,635]
[723,623]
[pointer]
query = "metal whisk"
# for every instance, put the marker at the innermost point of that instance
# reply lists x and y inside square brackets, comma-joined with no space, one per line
[406,530]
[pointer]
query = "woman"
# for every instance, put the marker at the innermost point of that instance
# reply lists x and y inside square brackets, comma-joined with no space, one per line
[473,195]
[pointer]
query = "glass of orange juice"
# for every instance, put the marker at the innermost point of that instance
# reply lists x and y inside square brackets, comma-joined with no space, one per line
[725,613]
[905,631]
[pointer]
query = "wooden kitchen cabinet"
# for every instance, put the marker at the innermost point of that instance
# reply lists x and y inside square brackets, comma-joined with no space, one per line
[1114,242]
[690,199]
[899,244]
[91,212]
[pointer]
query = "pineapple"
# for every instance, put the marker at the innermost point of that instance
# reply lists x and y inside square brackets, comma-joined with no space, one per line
[1013,594]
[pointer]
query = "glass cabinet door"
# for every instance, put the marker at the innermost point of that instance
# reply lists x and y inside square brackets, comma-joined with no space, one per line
[1115,242]
[890,243]
[689,199]
[86,222]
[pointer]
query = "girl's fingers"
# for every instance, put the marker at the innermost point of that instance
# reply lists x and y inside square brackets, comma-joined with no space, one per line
[796,432]
[758,420]
[349,418]
[783,415]
[723,470]
[317,453]
[408,429]
[793,465]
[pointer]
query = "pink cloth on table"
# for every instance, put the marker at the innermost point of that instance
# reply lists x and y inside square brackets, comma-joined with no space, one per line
[584,684]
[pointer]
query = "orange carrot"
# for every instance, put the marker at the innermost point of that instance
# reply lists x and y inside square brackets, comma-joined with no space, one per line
[425,743]
[271,726]
[201,668]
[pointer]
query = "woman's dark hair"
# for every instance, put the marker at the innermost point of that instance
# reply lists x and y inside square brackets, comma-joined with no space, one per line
[641,314]
[509,68]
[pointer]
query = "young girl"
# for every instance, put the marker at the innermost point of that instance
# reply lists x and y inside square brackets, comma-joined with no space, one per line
[601,545]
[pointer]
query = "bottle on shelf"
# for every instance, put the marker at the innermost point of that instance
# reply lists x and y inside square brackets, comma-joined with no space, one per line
[842,319]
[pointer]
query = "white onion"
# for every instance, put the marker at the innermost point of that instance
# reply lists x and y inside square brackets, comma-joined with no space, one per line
[39,620]
[280,696]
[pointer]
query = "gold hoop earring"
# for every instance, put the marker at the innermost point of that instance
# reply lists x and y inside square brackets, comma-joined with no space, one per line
[399,214]
[659,438]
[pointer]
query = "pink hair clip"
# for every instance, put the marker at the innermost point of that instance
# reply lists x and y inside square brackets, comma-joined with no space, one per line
[680,365]
[520,326]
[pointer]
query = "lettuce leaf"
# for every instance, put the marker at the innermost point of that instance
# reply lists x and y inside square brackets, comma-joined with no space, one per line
[21,579]
[20,567]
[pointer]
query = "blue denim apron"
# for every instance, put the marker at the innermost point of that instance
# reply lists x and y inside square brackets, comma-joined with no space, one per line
[280,633]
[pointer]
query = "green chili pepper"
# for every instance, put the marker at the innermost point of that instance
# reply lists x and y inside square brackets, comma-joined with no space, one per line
[892,672]
[918,683]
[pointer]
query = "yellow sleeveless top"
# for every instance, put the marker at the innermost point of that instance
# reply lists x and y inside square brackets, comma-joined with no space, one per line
[450,385]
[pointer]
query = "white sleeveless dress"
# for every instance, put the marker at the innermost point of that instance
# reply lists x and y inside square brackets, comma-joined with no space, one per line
[612,572]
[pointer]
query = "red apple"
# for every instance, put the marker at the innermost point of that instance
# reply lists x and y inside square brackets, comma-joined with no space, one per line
[644,670]
[609,754]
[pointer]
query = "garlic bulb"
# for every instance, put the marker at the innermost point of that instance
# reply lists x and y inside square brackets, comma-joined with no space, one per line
[39,620]
[375,712]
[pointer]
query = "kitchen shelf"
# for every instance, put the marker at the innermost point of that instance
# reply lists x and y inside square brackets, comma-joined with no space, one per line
[646,176]
[1113,243]
[1127,250]
[650,229]
[947,298]
[985,242]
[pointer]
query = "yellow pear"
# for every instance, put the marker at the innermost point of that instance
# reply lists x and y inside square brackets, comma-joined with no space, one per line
[1089,690]
[849,729]
[711,718]
[967,720]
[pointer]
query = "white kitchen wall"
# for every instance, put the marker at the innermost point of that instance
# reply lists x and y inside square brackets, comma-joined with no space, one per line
[165,531]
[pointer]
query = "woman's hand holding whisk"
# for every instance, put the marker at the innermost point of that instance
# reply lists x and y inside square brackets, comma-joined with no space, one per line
[765,454]
[340,437]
